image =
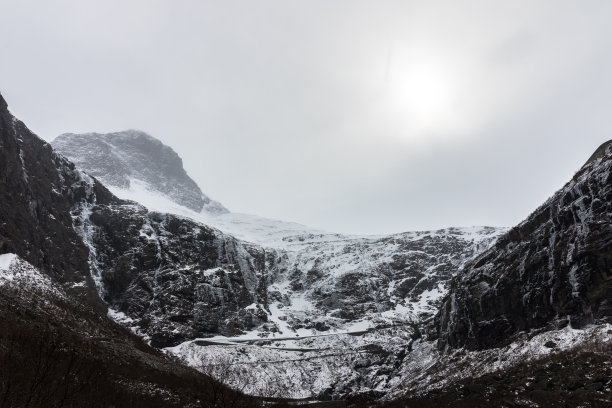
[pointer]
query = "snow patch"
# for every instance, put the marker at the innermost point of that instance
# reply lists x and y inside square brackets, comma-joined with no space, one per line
[6,260]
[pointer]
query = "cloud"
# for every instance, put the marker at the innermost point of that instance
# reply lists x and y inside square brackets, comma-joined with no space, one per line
[356,116]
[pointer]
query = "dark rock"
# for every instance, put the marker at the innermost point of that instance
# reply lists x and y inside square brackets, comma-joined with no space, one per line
[554,265]
[550,344]
[38,189]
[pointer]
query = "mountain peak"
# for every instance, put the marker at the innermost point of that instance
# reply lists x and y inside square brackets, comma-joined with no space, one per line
[600,152]
[134,160]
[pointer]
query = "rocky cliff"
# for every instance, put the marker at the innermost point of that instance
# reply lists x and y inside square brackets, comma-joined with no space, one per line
[38,192]
[184,279]
[173,278]
[552,270]
[57,345]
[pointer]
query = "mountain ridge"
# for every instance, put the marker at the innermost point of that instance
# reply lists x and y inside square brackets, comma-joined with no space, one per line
[330,316]
[555,264]
[120,159]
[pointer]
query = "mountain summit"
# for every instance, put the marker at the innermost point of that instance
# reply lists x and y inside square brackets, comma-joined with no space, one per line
[135,163]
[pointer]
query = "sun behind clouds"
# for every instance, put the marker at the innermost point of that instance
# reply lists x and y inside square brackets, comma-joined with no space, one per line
[422,100]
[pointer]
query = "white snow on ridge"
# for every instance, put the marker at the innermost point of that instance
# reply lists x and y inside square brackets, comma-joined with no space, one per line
[301,368]
[6,260]
[274,233]
[259,230]
[17,273]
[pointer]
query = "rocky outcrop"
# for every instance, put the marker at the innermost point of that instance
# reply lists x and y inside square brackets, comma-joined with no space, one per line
[38,190]
[552,270]
[121,159]
[175,279]
[307,279]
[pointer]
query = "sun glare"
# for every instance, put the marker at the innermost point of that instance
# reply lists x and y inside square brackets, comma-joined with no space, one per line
[420,101]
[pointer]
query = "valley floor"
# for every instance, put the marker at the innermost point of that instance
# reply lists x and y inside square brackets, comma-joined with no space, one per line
[394,362]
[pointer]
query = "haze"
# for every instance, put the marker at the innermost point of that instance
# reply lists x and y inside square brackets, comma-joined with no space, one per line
[350,116]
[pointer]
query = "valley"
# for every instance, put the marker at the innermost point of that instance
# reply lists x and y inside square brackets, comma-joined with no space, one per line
[212,307]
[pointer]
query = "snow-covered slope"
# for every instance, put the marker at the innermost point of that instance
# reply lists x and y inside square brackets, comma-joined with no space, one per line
[134,162]
[387,363]
[295,282]
[17,273]
[259,230]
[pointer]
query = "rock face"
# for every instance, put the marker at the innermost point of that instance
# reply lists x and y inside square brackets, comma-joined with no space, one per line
[38,191]
[552,270]
[123,159]
[167,273]
[175,279]
[178,280]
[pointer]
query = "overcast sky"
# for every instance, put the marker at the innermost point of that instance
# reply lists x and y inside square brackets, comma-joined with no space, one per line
[351,116]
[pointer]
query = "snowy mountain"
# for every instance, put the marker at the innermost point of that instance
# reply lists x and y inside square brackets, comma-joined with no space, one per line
[303,280]
[456,317]
[291,281]
[57,345]
[132,162]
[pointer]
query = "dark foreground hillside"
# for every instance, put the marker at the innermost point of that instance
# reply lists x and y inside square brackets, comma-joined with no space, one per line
[55,353]
[580,377]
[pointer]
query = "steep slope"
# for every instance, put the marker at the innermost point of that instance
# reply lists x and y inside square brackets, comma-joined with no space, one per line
[302,279]
[55,337]
[552,270]
[202,294]
[132,162]
[58,352]
[39,190]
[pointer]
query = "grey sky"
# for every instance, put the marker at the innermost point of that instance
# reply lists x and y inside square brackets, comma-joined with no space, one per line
[352,116]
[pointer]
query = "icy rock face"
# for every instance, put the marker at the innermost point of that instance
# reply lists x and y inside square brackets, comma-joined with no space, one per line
[38,189]
[319,284]
[173,278]
[178,280]
[551,270]
[122,158]
[308,279]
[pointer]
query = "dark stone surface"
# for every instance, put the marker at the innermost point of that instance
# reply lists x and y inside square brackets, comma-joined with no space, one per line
[553,269]
[176,279]
[38,189]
